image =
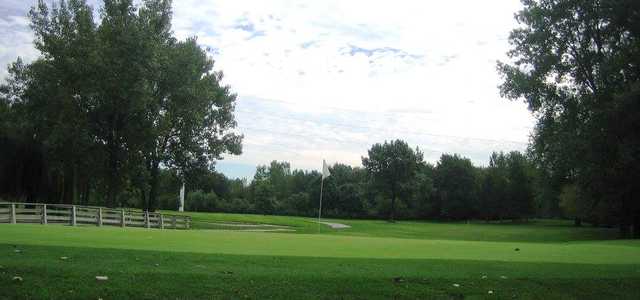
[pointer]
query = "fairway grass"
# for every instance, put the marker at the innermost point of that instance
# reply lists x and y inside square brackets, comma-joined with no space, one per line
[318,245]
[139,274]
[534,231]
[406,260]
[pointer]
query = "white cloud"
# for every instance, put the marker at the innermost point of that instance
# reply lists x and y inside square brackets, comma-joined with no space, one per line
[15,41]
[329,78]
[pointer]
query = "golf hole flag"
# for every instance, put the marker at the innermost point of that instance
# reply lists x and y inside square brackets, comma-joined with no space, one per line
[325,174]
[325,170]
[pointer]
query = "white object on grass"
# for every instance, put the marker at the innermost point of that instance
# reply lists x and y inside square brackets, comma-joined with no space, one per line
[335,225]
[181,208]
[102,278]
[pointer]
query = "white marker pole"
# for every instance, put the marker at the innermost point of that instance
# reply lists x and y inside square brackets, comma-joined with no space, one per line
[181,208]
[325,173]
[320,209]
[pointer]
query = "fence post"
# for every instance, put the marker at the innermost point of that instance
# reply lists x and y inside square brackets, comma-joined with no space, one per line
[161,221]
[99,216]
[73,215]
[44,214]
[13,213]
[173,222]
[146,218]
[123,219]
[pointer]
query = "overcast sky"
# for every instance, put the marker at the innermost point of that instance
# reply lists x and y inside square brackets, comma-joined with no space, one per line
[327,79]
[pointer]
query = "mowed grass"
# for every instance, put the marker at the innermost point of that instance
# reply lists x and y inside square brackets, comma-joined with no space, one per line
[139,274]
[533,231]
[371,260]
[318,245]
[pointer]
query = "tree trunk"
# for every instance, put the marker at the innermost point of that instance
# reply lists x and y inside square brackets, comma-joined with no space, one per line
[626,219]
[113,189]
[636,224]
[153,186]
[393,204]
[62,185]
[86,190]
[143,196]
[74,199]
[111,192]
[625,226]
[577,221]
[624,230]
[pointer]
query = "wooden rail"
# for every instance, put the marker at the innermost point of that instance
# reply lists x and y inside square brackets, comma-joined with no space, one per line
[11,212]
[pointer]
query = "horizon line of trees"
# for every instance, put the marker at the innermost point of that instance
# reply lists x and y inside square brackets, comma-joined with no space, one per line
[511,187]
[452,189]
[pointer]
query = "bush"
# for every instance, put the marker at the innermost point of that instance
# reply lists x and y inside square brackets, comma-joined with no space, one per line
[200,201]
[235,205]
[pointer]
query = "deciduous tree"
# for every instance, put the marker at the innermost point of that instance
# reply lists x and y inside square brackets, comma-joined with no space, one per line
[390,165]
[573,62]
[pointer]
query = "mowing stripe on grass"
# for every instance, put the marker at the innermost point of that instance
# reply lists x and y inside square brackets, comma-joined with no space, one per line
[279,244]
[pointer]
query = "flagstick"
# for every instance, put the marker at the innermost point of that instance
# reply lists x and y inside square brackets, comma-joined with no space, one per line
[320,209]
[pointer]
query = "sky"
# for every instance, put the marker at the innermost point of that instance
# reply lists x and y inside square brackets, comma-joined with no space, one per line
[327,79]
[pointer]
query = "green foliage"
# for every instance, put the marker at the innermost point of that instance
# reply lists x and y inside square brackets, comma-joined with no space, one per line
[569,202]
[455,185]
[201,201]
[109,102]
[507,187]
[504,190]
[190,113]
[422,191]
[390,165]
[344,191]
[264,197]
[575,63]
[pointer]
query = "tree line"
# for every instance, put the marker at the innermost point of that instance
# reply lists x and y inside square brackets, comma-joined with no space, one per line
[390,185]
[108,105]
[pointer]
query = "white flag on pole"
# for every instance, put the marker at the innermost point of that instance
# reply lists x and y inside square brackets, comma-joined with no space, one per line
[325,170]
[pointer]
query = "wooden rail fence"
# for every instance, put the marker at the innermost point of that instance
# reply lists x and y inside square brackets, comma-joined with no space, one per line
[88,215]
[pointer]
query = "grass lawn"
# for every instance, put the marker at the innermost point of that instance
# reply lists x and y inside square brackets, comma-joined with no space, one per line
[372,259]
[534,231]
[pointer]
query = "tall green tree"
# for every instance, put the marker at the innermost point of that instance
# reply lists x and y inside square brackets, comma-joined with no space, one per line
[574,62]
[110,102]
[390,165]
[122,96]
[192,114]
[521,186]
[343,191]
[264,197]
[494,191]
[456,189]
[50,96]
